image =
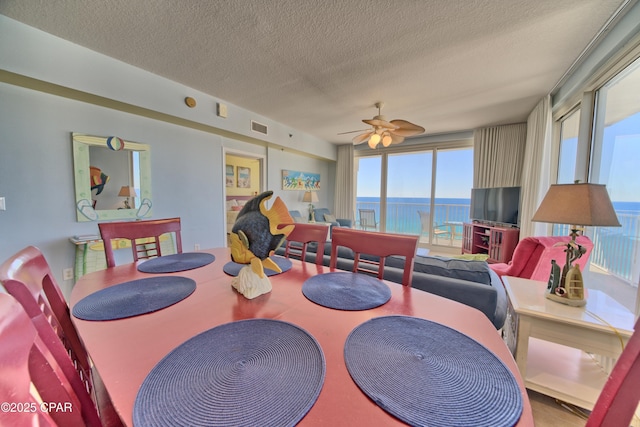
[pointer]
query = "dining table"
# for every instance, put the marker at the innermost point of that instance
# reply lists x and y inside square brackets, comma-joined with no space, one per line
[126,350]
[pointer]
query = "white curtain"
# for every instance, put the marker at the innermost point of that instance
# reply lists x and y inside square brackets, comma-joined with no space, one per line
[536,173]
[345,183]
[498,153]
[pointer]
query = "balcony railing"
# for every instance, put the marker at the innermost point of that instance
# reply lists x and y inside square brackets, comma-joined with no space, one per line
[616,249]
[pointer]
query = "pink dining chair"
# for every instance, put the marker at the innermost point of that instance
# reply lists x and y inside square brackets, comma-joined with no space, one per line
[26,359]
[28,278]
[620,395]
[373,243]
[135,230]
[301,236]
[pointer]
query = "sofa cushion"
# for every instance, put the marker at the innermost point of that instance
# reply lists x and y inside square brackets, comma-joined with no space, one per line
[472,271]
[329,218]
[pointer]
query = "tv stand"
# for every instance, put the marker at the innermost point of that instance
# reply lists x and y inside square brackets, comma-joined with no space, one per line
[496,241]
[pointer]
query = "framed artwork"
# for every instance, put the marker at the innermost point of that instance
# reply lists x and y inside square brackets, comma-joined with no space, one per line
[296,180]
[230,174]
[244,177]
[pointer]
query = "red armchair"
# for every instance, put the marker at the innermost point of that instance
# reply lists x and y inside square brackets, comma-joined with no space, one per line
[532,257]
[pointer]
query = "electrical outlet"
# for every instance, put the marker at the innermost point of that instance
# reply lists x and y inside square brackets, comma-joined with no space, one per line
[196,247]
[67,274]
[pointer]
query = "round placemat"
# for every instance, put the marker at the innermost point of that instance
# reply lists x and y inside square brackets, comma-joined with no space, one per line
[176,262]
[233,268]
[134,298]
[425,373]
[346,291]
[257,372]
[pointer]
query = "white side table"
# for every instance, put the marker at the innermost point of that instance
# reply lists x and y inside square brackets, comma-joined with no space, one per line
[553,339]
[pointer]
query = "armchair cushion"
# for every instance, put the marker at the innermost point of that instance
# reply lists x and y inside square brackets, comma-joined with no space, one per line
[532,257]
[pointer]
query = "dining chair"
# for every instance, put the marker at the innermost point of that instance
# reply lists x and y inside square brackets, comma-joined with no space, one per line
[135,231]
[368,219]
[620,395]
[35,378]
[28,278]
[381,245]
[301,236]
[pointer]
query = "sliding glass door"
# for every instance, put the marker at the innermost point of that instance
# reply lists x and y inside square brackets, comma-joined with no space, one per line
[402,196]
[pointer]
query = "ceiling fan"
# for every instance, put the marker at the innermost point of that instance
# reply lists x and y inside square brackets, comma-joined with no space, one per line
[385,132]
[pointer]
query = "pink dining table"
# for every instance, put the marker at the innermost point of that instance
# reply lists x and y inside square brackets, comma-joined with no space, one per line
[125,351]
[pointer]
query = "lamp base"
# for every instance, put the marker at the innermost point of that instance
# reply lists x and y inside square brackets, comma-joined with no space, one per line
[567,301]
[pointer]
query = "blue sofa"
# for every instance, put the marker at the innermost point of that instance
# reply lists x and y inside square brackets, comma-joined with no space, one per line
[471,283]
[320,213]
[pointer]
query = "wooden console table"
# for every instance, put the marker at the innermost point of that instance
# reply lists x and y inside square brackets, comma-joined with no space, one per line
[497,242]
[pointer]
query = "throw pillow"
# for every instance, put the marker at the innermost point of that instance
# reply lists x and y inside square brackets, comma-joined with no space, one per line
[329,218]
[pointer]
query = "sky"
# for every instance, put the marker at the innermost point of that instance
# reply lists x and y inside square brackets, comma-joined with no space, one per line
[410,175]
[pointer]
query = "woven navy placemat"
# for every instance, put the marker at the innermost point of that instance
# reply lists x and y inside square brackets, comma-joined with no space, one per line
[233,268]
[346,291]
[257,372]
[134,298]
[425,373]
[176,262]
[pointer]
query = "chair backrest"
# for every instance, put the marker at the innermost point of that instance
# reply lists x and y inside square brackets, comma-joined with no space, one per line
[379,244]
[150,230]
[301,236]
[424,221]
[26,360]
[28,278]
[368,218]
[620,395]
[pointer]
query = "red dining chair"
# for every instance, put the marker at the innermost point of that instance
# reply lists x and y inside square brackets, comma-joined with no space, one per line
[136,230]
[620,395]
[26,360]
[301,236]
[28,278]
[373,243]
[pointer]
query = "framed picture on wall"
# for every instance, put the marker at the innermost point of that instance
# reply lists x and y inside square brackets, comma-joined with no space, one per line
[231,176]
[244,177]
[296,180]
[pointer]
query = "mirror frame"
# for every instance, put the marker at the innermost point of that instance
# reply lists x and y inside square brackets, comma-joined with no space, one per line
[84,207]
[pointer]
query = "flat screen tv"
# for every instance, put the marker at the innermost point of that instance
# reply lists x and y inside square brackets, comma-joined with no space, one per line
[495,205]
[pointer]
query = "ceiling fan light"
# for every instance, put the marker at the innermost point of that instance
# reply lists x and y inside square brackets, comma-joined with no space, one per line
[386,140]
[374,140]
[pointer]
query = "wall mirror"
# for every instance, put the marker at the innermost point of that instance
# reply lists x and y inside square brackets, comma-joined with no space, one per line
[112,178]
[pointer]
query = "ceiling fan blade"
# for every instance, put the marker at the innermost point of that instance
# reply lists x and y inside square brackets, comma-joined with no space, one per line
[353,131]
[405,128]
[361,138]
[376,122]
[396,139]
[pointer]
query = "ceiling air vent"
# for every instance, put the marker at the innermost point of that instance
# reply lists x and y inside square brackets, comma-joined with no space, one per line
[258,127]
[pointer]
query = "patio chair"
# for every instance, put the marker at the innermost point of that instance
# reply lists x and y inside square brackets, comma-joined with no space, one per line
[27,277]
[438,230]
[150,230]
[27,359]
[301,236]
[381,245]
[368,219]
[620,395]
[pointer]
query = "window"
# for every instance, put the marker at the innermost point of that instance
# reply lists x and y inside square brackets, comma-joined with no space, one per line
[402,194]
[612,156]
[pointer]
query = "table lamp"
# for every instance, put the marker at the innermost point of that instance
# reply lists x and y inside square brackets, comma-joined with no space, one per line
[310,197]
[577,205]
[127,192]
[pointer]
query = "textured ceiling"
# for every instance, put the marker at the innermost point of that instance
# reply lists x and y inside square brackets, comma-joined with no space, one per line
[319,66]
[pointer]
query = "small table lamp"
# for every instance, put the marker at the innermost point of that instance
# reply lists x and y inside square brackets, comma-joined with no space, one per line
[127,192]
[577,205]
[310,197]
